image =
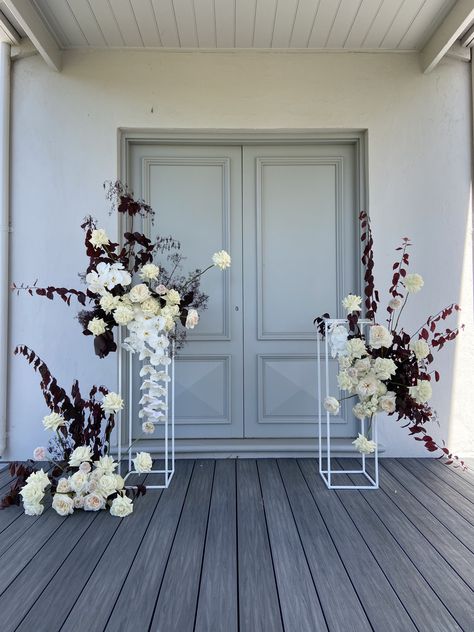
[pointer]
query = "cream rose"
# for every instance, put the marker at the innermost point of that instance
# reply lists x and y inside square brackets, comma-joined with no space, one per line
[422,392]
[63,504]
[192,319]
[367,386]
[93,502]
[32,494]
[352,303]
[78,502]
[364,445]
[105,465]
[344,381]
[53,421]
[99,238]
[85,467]
[119,482]
[161,289]
[33,509]
[387,402]
[142,462]
[139,293]
[420,348]
[107,485]
[97,326]
[380,337]
[149,272]
[221,259]
[123,315]
[121,506]
[63,486]
[80,454]
[39,479]
[150,307]
[395,303]
[356,348]
[109,302]
[173,297]
[112,403]
[331,405]
[148,427]
[384,368]
[413,283]
[78,482]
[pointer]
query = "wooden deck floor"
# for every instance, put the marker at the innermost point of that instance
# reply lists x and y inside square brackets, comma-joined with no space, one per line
[253,546]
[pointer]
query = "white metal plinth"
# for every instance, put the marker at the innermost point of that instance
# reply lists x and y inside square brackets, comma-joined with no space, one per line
[324,453]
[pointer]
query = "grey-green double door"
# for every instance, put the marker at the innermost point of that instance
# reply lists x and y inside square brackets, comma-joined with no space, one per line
[287,216]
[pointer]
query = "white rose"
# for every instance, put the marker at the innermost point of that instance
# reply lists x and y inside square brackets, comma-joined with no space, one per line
[413,283]
[173,297]
[149,272]
[363,445]
[80,454]
[221,259]
[33,509]
[105,465]
[338,340]
[123,315]
[99,238]
[107,485]
[63,486]
[367,386]
[139,293]
[32,494]
[362,366]
[97,326]
[395,303]
[78,482]
[119,482]
[142,462]
[78,502]
[344,362]
[150,307]
[93,502]
[109,302]
[40,454]
[359,411]
[112,403]
[384,368]
[121,506]
[356,348]
[420,348]
[380,337]
[331,405]
[352,303]
[63,504]
[192,319]
[422,392]
[148,427]
[53,421]
[381,390]
[387,402]
[39,479]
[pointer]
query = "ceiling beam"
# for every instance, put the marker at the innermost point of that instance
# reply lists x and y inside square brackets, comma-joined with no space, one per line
[30,21]
[8,31]
[449,31]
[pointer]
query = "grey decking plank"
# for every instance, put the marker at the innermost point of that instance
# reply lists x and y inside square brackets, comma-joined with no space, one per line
[28,585]
[371,584]
[447,544]
[447,475]
[341,606]
[438,595]
[453,498]
[94,605]
[299,601]
[62,591]
[218,599]
[460,527]
[134,607]
[259,609]
[177,601]
[8,516]
[23,550]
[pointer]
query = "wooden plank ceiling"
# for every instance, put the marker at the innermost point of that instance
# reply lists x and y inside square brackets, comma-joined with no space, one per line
[395,25]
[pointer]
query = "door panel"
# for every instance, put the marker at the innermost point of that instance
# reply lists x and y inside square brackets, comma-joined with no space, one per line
[196,194]
[299,261]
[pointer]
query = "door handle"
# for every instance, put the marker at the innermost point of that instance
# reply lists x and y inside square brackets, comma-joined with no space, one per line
[236,308]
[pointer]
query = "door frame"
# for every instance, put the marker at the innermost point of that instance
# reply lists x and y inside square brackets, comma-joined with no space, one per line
[126,138]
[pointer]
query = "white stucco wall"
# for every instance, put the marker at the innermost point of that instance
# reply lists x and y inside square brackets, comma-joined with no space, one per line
[64,145]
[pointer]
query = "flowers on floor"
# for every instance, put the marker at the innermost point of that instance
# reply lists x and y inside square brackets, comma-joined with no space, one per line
[383,367]
[81,473]
[127,287]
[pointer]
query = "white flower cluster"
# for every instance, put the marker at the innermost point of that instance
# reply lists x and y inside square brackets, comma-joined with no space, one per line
[33,492]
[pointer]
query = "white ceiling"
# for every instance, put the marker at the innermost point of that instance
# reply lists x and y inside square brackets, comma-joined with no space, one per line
[227,24]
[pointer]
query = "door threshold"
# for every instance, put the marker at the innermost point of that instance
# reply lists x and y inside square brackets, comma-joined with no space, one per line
[253,448]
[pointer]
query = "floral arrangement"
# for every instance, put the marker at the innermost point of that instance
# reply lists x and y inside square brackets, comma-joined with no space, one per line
[125,287]
[81,473]
[388,369]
